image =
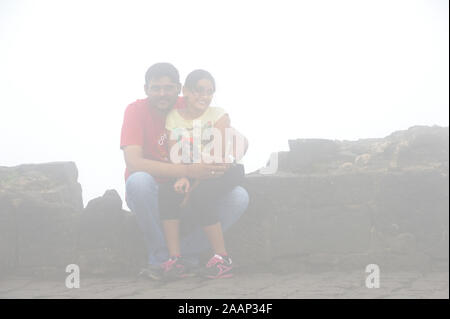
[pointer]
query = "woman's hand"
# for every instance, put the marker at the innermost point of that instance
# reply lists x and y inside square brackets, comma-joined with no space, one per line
[187,195]
[182,185]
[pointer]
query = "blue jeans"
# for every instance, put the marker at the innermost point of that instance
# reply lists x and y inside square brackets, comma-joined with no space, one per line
[142,199]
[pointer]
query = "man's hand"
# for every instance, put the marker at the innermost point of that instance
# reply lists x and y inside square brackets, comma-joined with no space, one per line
[203,171]
[136,162]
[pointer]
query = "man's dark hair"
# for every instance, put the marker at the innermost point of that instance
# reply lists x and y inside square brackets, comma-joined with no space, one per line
[197,75]
[158,70]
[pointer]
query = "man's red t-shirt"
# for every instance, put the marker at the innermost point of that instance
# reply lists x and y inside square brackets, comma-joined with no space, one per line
[145,126]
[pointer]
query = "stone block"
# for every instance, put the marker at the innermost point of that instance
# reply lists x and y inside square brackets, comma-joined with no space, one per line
[8,237]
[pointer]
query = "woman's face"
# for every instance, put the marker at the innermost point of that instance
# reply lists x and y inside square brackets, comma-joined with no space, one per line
[199,97]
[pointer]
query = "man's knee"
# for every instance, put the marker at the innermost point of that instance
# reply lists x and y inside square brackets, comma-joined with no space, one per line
[140,183]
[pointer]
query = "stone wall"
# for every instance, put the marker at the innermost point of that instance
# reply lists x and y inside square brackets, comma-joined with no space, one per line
[345,204]
[39,209]
[330,205]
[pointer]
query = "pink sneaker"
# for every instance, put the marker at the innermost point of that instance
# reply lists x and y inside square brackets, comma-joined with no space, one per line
[175,268]
[219,267]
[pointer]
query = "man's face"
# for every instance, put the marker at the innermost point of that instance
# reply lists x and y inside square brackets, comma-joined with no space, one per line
[162,93]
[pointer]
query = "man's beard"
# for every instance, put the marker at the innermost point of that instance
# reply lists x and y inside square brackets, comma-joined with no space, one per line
[168,105]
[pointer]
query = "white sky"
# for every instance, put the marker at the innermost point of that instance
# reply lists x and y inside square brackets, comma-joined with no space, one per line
[284,70]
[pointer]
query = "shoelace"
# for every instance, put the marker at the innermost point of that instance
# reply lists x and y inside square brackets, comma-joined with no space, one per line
[168,264]
[214,261]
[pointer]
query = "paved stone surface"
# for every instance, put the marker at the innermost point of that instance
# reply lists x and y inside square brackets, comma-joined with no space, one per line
[262,285]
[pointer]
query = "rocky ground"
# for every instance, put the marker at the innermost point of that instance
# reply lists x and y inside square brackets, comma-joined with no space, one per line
[340,285]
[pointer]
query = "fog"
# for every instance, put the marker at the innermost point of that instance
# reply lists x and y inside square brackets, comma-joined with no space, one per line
[284,70]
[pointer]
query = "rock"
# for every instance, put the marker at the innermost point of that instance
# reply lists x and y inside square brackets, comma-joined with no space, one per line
[311,155]
[404,243]
[309,214]
[419,146]
[416,201]
[347,166]
[49,182]
[8,236]
[40,204]
[362,160]
[46,234]
[109,240]
[392,261]
[402,213]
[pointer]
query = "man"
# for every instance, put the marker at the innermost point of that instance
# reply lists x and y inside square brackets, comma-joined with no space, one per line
[144,143]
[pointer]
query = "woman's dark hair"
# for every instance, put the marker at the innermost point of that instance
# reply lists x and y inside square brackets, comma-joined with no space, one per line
[197,75]
[158,70]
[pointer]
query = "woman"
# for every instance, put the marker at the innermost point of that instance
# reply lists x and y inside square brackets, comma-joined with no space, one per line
[186,196]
